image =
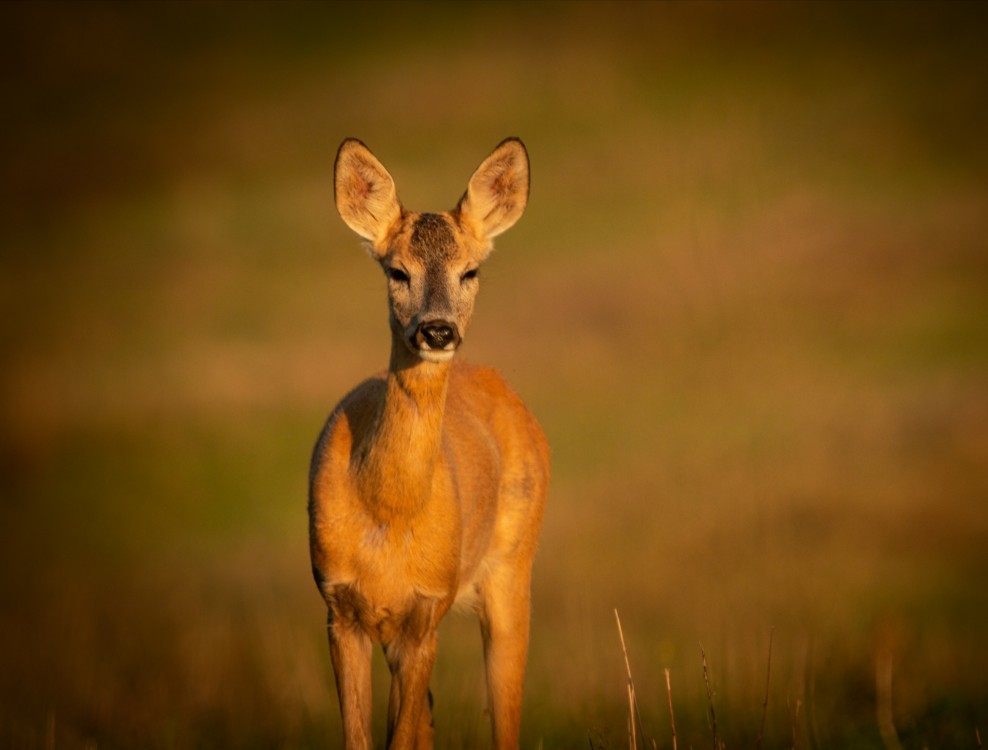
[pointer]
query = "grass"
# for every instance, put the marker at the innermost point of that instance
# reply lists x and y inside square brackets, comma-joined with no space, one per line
[746,302]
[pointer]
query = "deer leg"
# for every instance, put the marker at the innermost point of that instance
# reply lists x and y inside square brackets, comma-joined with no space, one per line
[426,726]
[504,618]
[350,649]
[410,703]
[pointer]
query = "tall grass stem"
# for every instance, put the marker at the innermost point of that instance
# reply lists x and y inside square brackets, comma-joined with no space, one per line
[672,715]
[710,699]
[768,677]
[633,710]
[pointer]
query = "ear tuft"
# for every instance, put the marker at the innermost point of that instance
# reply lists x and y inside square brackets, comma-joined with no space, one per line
[365,193]
[498,191]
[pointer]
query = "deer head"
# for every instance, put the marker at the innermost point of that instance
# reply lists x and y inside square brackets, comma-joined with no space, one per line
[430,259]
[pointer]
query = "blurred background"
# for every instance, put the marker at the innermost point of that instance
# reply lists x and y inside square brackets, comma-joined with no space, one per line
[748,303]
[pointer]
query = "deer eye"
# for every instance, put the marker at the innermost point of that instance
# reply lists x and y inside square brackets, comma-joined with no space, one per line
[471,274]
[396,274]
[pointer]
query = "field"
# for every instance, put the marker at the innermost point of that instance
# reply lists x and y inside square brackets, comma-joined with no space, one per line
[748,303]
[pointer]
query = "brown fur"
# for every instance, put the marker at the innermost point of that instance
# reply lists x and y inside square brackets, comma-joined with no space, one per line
[428,482]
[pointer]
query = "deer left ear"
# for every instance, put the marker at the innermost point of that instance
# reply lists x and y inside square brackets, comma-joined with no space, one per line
[498,191]
[365,193]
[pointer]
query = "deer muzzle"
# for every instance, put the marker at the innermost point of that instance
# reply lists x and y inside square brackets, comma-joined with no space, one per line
[437,340]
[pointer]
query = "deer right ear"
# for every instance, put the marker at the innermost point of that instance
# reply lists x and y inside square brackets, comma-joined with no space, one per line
[365,193]
[498,190]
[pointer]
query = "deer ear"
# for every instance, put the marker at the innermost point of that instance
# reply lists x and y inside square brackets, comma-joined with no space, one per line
[498,191]
[365,193]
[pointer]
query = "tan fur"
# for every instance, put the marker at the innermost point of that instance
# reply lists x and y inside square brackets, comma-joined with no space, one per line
[428,481]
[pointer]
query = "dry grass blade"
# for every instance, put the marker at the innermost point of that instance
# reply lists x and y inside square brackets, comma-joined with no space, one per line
[672,716]
[633,711]
[632,736]
[710,699]
[768,677]
[795,722]
[883,679]
[977,736]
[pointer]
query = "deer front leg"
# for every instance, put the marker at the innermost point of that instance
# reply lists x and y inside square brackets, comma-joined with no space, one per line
[350,649]
[504,620]
[409,711]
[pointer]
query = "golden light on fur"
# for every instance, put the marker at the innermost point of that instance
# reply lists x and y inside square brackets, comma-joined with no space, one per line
[428,482]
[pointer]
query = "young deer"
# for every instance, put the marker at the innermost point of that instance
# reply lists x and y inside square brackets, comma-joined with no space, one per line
[428,482]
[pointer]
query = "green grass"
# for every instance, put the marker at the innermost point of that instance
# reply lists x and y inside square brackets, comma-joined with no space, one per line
[747,303]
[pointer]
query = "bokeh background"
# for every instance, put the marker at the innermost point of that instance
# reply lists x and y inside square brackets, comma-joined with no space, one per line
[748,302]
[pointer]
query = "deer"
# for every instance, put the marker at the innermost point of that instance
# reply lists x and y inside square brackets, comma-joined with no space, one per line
[428,482]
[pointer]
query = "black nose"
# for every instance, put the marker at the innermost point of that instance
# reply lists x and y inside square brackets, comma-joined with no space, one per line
[437,334]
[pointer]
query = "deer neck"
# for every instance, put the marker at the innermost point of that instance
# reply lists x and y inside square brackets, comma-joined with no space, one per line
[402,449]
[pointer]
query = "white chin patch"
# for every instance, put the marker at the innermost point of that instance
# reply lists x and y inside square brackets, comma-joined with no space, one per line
[437,355]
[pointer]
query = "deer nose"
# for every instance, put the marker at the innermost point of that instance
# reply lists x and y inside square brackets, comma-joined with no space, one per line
[437,334]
